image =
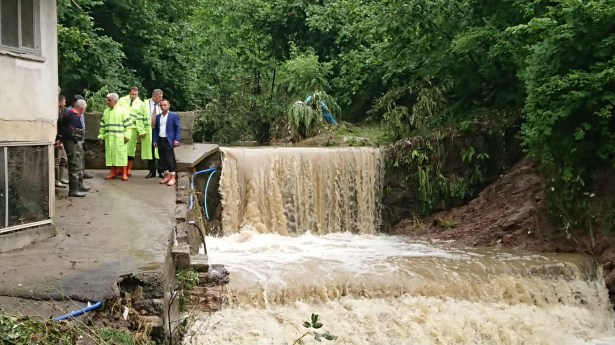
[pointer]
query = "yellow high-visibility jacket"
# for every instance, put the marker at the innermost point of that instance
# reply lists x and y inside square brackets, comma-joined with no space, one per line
[115,125]
[147,113]
[135,109]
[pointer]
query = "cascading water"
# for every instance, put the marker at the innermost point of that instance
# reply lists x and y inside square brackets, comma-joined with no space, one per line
[300,238]
[292,191]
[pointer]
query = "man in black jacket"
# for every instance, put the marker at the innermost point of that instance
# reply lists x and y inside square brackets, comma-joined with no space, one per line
[71,133]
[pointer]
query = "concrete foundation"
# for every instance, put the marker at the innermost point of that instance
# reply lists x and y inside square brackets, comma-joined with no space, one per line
[21,238]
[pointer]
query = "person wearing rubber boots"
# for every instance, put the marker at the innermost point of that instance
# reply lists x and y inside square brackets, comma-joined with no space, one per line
[71,133]
[167,135]
[115,129]
[77,97]
[134,105]
[61,159]
[151,108]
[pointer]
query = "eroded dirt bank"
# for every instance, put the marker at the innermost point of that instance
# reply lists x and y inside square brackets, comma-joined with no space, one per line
[508,214]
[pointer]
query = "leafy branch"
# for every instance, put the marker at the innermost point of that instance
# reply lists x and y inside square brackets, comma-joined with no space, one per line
[314,324]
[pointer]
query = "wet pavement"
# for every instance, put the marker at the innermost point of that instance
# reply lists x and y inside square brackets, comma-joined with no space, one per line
[117,229]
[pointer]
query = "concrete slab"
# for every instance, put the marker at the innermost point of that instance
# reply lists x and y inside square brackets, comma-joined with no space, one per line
[188,156]
[118,228]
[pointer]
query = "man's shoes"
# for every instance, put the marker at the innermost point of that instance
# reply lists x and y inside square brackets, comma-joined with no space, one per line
[87,175]
[160,174]
[151,174]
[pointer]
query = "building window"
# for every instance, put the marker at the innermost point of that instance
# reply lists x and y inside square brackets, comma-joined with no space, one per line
[19,26]
[24,187]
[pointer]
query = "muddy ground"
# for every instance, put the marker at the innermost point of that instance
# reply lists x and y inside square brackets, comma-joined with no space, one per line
[509,213]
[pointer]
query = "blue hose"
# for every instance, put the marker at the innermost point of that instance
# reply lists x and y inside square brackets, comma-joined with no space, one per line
[192,185]
[78,312]
[205,194]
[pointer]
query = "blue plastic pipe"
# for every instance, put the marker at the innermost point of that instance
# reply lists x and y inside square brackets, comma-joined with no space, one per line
[212,170]
[205,194]
[78,312]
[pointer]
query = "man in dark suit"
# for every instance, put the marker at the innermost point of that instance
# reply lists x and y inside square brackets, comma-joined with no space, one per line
[167,133]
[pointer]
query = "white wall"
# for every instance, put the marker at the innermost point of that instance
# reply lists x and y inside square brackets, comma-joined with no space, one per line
[29,87]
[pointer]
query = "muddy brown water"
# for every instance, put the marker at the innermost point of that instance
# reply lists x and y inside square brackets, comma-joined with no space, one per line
[301,237]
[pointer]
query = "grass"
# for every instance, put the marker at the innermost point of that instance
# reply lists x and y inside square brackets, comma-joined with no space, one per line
[117,336]
[24,331]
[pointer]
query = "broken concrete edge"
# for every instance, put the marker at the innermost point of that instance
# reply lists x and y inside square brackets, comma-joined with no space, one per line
[140,303]
[149,299]
[144,302]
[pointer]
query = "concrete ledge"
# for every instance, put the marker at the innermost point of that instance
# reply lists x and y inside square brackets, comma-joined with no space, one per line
[189,156]
[199,263]
[21,238]
[181,255]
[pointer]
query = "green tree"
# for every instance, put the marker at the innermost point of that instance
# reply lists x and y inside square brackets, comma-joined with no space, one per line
[87,59]
[570,81]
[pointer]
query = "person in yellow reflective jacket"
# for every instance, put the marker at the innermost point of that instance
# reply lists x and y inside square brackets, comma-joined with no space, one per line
[151,108]
[134,104]
[115,129]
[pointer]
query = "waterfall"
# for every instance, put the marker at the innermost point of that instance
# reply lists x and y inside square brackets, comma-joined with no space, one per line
[297,190]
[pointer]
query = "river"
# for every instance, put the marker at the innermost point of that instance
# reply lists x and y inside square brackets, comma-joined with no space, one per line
[293,248]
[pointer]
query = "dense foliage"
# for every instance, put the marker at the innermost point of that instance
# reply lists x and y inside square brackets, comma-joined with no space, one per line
[545,66]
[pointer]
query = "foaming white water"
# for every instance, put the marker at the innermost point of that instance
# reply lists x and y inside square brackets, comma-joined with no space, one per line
[405,320]
[371,289]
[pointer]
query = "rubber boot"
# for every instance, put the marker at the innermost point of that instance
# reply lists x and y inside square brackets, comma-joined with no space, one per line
[166,178]
[112,174]
[62,175]
[82,187]
[172,180]
[124,173]
[73,189]
[130,168]
[57,176]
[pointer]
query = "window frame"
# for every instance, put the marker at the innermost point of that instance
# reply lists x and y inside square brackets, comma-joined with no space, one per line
[5,148]
[33,53]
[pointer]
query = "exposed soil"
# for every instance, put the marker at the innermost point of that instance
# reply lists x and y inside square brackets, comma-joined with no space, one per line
[508,214]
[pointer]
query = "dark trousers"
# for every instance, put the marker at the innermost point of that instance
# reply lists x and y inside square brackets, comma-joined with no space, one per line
[83,151]
[74,151]
[167,154]
[151,164]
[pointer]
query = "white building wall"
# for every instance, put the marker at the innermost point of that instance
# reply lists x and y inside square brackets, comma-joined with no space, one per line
[29,87]
[28,116]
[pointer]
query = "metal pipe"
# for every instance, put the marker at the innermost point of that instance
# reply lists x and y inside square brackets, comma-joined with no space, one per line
[192,222]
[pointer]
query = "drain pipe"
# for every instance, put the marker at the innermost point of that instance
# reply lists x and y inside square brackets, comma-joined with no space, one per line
[213,171]
[192,222]
[78,312]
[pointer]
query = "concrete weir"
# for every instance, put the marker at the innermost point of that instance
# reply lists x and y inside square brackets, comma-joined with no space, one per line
[121,245]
